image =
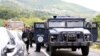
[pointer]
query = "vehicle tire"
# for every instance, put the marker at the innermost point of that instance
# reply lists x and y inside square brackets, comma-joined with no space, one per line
[52,51]
[85,50]
[47,49]
[74,49]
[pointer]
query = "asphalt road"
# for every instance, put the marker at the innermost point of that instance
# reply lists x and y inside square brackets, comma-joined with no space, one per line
[62,52]
[77,53]
[33,53]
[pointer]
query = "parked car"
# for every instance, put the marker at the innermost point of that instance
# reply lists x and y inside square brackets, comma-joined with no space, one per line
[8,44]
[18,38]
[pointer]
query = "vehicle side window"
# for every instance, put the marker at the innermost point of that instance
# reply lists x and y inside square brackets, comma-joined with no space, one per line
[88,25]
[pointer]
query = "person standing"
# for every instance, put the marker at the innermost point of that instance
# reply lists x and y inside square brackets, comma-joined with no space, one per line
[38,47]
[31,36]
[25,37]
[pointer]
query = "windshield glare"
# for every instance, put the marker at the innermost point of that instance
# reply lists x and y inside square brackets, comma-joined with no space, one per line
[57,24]
[72,24]
[40,26]
[75,24]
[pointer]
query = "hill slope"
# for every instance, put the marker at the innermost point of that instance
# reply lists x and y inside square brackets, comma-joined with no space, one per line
[56,7]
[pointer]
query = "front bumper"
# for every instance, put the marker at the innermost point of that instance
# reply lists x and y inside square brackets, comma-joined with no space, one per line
[71,43]
[16,52]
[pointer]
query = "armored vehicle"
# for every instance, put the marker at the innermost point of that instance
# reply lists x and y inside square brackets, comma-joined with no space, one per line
[68,32]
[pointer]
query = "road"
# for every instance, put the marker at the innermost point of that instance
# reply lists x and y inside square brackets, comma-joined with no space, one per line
[33,53]
[62,52]
[77,53]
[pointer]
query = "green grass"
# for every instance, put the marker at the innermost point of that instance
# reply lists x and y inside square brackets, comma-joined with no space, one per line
[1,22]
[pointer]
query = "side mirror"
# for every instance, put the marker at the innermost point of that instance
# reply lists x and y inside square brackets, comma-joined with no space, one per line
[94,25]
[88,25]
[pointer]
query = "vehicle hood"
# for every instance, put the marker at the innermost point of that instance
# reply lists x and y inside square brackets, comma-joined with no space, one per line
[4,38]
[59,30]
[15,34]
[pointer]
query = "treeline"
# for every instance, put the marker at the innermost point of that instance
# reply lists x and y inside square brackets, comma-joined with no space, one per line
[25,15]
[8,12]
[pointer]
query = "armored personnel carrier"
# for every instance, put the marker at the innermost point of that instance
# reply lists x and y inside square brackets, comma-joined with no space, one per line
[67,32]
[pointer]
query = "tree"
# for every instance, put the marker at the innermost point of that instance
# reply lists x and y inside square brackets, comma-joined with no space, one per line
[97,19]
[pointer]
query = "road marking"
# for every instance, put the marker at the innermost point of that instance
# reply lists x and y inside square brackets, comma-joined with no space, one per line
[43,50]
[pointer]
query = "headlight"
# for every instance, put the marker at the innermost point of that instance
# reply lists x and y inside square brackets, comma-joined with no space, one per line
[9,48]
[87,37]
[6,50]
[3,52]
[53,38]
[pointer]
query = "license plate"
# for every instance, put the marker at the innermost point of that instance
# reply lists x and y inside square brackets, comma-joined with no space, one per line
[71,35]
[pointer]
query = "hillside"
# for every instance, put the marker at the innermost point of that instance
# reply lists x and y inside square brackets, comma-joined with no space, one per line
[55,7]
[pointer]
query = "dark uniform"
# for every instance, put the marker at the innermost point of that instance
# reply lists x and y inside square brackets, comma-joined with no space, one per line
[38,47]
[25,38]
[31,37]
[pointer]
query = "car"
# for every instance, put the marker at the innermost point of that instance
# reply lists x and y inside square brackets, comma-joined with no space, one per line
[8,44]
[66,32]
[18,38]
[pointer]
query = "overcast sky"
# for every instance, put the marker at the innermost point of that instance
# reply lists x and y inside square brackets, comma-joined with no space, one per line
[91,4]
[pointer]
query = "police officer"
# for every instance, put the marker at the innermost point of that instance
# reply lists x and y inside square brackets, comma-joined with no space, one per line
[38,47]
[25,37]
[31,36]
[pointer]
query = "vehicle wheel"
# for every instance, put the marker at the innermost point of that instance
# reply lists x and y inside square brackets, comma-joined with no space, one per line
[47,49]
[53,50]
[85,50]
[74,49]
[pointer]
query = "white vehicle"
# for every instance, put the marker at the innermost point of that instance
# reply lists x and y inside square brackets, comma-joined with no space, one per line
[8,44]
[17,35]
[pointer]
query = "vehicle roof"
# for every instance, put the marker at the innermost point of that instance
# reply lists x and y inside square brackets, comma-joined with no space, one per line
[69,18]
[66,18]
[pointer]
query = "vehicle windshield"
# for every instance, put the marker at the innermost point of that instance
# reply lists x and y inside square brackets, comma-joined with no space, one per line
[39,26]
[57,24]
[66,23]
[75,24]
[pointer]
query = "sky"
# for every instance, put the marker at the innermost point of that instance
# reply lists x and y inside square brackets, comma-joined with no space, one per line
[91,4]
